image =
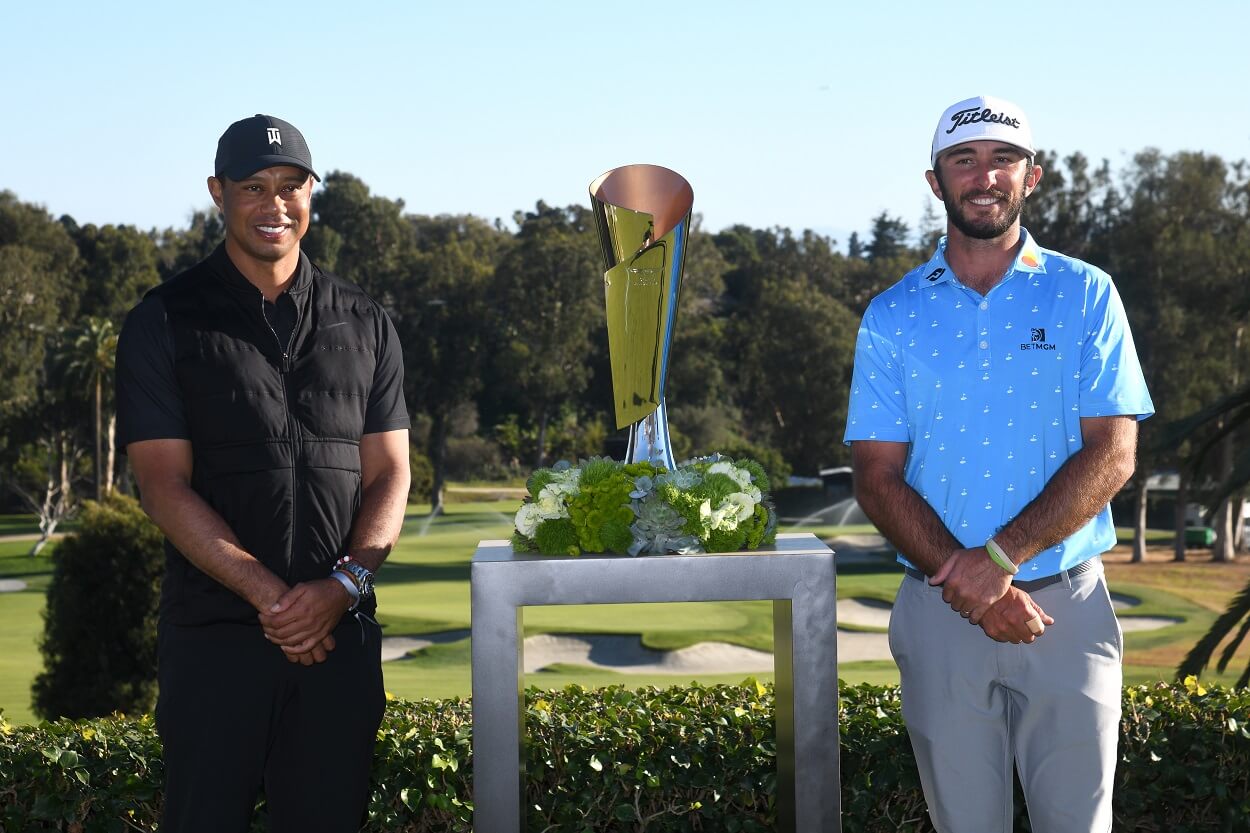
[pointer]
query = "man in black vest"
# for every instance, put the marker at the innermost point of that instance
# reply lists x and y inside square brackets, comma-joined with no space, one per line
[260,401]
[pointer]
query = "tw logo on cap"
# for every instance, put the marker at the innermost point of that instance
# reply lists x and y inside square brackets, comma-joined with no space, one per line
[274,137]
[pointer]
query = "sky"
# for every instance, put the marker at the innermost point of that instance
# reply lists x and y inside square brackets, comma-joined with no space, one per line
[800,114]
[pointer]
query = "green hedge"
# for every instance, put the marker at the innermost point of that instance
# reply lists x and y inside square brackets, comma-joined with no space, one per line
[681,759]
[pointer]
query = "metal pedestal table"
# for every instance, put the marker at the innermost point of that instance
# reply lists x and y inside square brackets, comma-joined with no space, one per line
[797,574]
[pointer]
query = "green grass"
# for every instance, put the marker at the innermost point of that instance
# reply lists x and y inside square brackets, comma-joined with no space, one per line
[21,627]
[424,588]
[17,562]
[1124,535]
[28,525]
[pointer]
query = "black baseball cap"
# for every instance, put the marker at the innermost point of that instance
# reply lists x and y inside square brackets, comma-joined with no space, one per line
[250,145]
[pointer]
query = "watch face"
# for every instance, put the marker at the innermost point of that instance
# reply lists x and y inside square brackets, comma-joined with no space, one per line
[363,576]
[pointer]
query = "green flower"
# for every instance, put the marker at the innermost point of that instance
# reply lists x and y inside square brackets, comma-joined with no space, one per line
[556,537]
[725,540]
[598,469]
[539,479]
[617,536]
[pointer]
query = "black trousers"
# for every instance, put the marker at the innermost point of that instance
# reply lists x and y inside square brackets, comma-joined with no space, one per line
[234,715]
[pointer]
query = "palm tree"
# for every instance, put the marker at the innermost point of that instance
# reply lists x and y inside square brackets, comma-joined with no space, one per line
[90,355]
[1227,415]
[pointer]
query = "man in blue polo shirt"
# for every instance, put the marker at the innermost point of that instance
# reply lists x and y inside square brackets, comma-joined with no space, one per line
[993,415]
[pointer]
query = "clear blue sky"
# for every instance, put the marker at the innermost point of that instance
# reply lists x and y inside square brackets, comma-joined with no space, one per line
[808,115]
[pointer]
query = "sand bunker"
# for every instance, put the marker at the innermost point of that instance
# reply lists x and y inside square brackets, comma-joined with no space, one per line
[398,647]
[625,653]
[11,585]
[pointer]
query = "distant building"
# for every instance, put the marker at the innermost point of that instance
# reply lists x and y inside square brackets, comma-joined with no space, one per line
[838,482]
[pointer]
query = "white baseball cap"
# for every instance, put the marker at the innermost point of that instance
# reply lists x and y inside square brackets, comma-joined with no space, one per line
[983,118]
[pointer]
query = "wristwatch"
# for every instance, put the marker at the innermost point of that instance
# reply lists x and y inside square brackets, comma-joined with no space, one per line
[358,573]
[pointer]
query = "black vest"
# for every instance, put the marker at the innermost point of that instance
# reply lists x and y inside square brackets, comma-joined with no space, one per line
[275,428]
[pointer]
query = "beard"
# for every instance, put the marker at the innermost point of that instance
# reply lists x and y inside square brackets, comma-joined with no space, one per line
[982,229]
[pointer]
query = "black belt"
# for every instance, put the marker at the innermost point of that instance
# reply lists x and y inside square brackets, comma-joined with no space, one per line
[1033,585]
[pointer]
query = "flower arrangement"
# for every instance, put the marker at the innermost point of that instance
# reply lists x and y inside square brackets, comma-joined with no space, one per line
[709,504]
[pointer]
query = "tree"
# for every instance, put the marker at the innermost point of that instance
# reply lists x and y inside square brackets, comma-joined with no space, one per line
[39,265]
[699,401]
[99,642]
[46,445]
[30,309]
[1075,207]
[1179,251]
[360,236]
[855,247]
[546,303]
[932,228]
[40,447]
[793,374]
[792,342]
[179,250]
[889,238]
[119,264]
[89,358]
[42,475]
[441,314]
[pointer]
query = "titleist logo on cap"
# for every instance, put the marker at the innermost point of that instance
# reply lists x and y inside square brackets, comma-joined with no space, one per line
[982,118]
[973,115]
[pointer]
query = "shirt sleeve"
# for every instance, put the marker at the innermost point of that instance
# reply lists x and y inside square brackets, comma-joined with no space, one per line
[386,410]
[149,401]
[878,407]
[1112,383]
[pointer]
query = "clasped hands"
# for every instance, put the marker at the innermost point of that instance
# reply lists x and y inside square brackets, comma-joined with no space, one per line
[981,591]
[301,620]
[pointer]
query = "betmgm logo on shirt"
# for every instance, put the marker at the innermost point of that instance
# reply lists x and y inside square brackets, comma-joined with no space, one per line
[1037,336]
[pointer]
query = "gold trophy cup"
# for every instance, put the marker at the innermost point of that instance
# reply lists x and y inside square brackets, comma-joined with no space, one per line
[642,214]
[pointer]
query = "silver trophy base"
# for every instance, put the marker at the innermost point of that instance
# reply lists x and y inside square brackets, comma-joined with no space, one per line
[649,440]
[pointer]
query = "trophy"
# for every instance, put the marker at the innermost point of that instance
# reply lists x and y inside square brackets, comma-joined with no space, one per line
[642,214]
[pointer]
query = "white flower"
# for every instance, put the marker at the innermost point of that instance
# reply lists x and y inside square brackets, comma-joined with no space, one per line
[740,476]
[567,480]
[551,502]
[527,519]
[742,505]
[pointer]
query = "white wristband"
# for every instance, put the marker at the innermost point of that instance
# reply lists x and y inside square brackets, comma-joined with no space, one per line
[347,583]
[1000,558]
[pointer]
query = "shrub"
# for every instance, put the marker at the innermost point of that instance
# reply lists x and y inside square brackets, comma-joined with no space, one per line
[474,458]
[99,642]
[770,458]
[687,759]
[422,474]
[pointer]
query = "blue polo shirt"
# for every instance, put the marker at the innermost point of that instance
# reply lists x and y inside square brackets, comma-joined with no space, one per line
[989,390]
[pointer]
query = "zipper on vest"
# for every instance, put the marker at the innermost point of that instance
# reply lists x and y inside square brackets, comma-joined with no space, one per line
[284,351]
[292,432]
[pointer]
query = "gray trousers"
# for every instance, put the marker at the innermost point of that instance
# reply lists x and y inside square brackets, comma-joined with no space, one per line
[973,707]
